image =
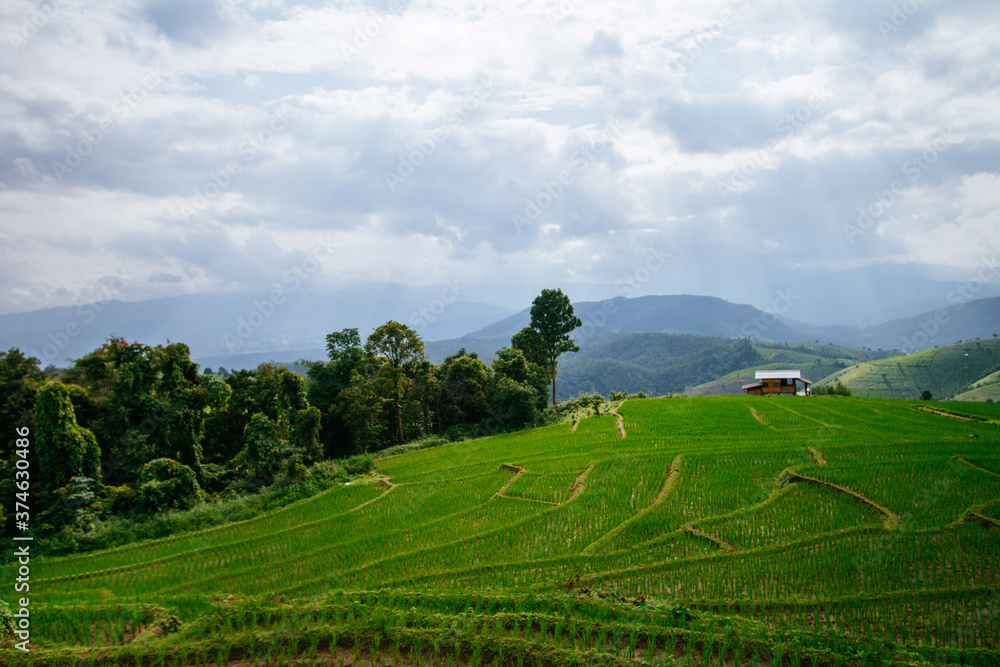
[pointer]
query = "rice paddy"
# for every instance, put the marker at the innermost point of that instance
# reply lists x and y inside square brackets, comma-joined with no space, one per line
[731,531]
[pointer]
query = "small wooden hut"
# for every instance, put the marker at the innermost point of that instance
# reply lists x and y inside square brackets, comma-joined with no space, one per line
[778,382]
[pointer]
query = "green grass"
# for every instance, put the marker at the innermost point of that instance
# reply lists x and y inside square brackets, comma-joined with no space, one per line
[948,372]
[984,389]
[721,530]
[816,361]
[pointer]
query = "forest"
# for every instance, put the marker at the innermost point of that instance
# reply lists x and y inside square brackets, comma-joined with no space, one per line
[130,432]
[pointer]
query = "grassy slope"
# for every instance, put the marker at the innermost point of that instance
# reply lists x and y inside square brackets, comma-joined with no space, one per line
[984,389]
[816,361]
[826,530]
[946,371]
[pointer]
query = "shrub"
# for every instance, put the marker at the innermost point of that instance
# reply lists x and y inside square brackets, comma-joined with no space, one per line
[6,625]
[359,464]
[166,484]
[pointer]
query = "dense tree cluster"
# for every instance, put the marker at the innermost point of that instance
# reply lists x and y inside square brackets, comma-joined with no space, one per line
[133,430]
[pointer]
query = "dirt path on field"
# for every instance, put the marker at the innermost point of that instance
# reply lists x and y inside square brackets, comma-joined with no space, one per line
[575,424]
[619,420]
[580,484]
[890,519]
[817,455]
[389,487]
[517,470]
[673,474]
[932,411]
[981,519]
[756,415]
[721,542]
[973,464]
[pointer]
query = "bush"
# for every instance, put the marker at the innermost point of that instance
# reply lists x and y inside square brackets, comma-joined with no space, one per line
[359,464]
[75,505]
[294,471]
[6,626]
[166,484]
[838,389]
[329,470]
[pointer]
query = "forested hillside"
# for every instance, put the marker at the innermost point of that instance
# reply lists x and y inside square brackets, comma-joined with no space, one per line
[656,364]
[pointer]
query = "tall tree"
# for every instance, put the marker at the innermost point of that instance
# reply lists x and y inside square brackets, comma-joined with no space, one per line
[343,344]
[395,348]
[552,319]
[327,381]
[463,386]
[65,450]
[512,363]
[270,390]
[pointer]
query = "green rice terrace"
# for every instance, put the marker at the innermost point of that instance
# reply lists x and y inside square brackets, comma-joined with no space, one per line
[725,530]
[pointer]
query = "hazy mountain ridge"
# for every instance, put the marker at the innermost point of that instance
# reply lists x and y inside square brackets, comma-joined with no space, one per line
[226,328]
[242,330]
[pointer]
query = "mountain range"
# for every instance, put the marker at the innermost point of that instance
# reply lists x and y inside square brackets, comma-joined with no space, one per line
[240,330]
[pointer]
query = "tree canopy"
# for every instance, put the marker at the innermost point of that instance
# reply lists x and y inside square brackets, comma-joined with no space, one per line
[552,321]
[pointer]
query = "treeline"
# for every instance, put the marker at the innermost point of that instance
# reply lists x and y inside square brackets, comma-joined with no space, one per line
[133,431]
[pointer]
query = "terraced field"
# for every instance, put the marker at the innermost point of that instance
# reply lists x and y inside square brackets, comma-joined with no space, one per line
[719,531]
[963,369]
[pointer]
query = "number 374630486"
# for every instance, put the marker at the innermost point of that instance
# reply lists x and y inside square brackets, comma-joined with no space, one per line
[22,477]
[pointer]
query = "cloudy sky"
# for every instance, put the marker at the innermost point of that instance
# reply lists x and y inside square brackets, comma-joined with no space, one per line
[212,146]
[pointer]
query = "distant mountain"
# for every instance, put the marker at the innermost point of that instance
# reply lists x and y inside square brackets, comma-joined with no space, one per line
[701,315]
[609,319]
[225,329]
[960,320]
[871,295]
[238,331]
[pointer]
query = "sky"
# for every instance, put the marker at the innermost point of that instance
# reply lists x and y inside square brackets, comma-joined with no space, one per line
[151,149]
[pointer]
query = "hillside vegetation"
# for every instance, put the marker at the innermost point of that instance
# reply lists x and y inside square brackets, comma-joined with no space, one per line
[947,372]
[721,531]
[654,363]
[816,361]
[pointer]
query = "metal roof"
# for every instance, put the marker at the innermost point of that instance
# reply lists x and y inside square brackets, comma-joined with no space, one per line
[778,375]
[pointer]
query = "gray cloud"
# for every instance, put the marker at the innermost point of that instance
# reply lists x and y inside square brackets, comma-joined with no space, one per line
[597,134]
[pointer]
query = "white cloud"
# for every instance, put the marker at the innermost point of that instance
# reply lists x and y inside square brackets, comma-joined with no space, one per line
[701,93]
